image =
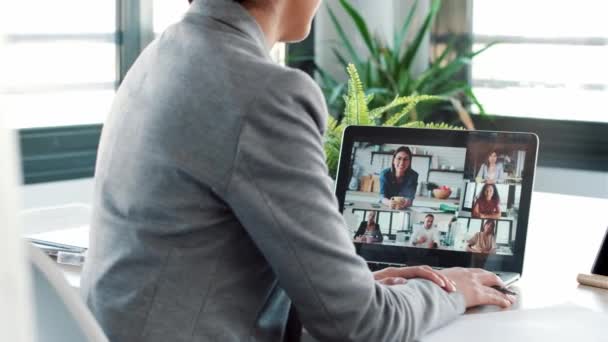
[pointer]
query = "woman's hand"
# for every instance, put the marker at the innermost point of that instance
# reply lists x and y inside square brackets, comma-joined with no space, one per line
[476,286]
[399,275]
[401,204]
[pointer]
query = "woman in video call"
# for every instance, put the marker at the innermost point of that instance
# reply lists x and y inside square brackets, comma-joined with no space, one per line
[398,183]
[369,231]
[208,157]
[484,241]
[488,203]
[491,171]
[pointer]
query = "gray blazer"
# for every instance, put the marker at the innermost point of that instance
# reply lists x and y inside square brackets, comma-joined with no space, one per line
[213,210]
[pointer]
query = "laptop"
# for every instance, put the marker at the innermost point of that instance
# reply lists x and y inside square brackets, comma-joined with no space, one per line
[443,198]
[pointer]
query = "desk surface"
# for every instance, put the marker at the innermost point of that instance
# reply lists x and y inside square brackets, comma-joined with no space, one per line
[564,235]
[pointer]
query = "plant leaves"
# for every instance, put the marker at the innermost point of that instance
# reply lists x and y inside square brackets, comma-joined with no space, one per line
[361,27]
[340,58]
[444,74]
[399,37]
[345,42]
[406,61]
[357,100]
[435,66]
[469,93]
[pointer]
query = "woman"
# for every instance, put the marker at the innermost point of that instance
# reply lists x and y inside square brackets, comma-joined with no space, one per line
[213,211]
[491,171]
[484,241]
[369,231]
[399,182]
[488,203]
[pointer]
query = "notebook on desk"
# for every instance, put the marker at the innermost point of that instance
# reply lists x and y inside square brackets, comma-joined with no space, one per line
[437,197]
[75,240]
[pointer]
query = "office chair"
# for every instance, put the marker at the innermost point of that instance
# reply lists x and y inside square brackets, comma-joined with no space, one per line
[59,314]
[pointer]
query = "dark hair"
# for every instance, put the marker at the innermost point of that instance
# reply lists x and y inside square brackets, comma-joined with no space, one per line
[487,161]
[495,197]
[430,215]
[492,222]
[400,149]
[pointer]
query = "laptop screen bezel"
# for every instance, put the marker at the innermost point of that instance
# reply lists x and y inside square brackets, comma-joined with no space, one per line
[447,138]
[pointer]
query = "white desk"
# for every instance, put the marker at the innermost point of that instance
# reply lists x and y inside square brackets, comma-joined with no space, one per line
[563,238]
[564,235]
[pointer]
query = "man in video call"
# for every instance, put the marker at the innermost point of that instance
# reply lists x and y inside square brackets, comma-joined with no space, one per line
[427,236]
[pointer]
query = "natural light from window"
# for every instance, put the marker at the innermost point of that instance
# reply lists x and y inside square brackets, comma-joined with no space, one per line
[551,63]
[62,59]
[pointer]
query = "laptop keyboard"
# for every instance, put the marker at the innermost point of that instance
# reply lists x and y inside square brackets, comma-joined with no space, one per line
[376,266]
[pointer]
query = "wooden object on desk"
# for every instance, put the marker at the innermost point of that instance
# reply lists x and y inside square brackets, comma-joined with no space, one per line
[594,280]
[365,183]
[376,184]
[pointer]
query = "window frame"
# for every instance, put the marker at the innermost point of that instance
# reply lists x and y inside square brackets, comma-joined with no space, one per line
[567,144]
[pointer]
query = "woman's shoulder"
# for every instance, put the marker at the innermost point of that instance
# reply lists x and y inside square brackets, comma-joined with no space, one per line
[412,172]
[385,172]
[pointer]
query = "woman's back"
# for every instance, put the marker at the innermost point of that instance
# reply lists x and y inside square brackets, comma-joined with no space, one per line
[170,261]
[212,189]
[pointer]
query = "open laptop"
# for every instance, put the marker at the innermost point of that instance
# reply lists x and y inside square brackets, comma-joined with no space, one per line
[463,200]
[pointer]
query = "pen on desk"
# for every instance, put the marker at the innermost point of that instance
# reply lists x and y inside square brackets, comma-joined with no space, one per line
[504,290]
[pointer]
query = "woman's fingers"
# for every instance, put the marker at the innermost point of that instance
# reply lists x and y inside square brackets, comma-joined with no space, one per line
[494,297]
[445,282]
[424,272]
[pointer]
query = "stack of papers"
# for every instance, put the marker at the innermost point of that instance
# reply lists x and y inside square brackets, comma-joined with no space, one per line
[65,244]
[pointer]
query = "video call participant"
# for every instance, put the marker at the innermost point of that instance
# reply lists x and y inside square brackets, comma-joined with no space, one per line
[484,241]
[399,180]
[369,231]
[488,203]
[491,171]
[426,236]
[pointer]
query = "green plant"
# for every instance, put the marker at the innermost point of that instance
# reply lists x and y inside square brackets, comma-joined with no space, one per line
[387,71]
[357,112]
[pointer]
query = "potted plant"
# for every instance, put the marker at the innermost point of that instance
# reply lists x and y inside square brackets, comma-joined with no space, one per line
[357,112]
[387,71]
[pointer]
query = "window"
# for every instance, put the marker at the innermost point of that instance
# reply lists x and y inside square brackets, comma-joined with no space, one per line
[62,62]
[62,58]
[551,62]
[167,12]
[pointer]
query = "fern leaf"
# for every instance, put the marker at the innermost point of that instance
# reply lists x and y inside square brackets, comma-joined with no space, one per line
[393,120]
[358,101]
[433,125]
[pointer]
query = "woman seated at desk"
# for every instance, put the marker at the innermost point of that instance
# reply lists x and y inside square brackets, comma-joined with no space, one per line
[491,171]
[369,231]
[399,182]
[484,241]
[488,203]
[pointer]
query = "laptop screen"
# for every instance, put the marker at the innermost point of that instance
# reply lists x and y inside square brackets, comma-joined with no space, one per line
[433,197]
